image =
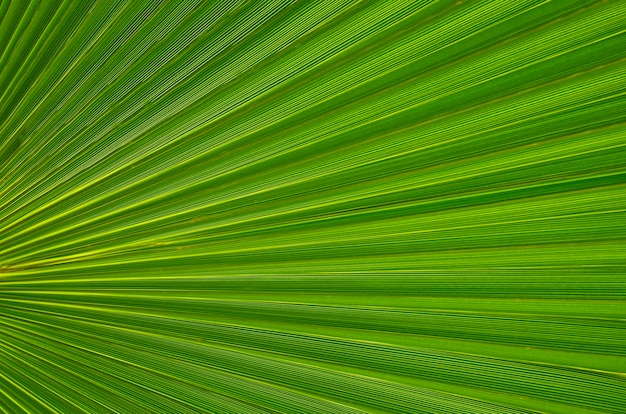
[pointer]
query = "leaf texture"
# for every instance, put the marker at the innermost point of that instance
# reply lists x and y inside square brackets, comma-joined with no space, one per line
[333,206]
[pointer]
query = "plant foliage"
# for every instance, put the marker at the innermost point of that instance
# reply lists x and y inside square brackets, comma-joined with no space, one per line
[333,206]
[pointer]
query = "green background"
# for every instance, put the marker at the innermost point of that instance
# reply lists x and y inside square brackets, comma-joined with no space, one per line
[323,206]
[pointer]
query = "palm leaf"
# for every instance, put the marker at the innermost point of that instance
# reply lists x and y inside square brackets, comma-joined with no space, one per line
[312,206]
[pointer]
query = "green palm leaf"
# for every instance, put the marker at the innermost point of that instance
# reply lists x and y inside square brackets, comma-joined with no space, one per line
[312,206]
